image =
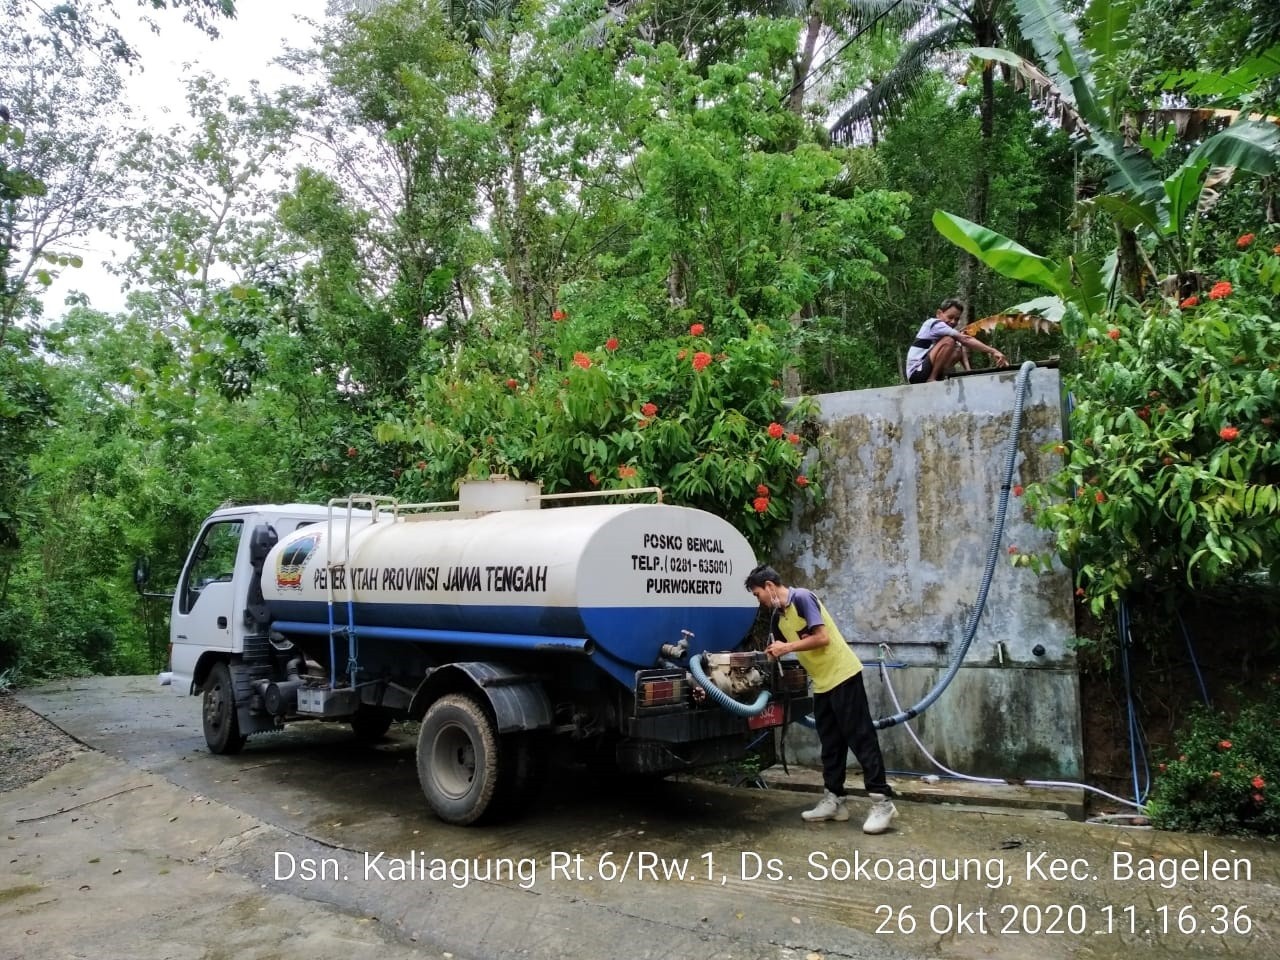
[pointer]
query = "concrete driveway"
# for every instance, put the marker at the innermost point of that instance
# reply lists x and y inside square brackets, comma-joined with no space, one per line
[308,845]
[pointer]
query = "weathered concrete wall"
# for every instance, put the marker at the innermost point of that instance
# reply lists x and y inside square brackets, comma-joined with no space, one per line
[896,551]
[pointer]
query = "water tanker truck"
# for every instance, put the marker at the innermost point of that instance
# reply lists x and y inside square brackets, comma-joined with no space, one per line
[513,626]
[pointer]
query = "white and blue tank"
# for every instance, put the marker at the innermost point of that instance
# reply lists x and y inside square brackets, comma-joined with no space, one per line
[616,581]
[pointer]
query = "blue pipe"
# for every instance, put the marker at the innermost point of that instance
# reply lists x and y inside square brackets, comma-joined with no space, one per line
[722,699]
[501,641]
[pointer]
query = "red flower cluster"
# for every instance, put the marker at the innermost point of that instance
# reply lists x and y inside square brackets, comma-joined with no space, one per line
[1228,433]
[1220,289]
[595,481]
[1099,497]
[558,315]
[793,438]
[611,344]
[626,472]
[1191,301]
[761,504]
[682,354]
[696,330]
[512,383]
[1017,489]
[649,409]
[775,430]
[1244,240]
[1113,333]
[762,490]
[582,360]
[802,481]
[1258,783]
[352,452]
[1224,744]
[701,360]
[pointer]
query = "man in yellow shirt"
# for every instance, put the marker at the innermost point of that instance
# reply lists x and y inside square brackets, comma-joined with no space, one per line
[840,709]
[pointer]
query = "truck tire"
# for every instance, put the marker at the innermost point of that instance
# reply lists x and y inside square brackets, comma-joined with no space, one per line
[221,726]
[370,726]
[458,759]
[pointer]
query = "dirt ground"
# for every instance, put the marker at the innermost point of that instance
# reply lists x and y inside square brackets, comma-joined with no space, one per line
[30,746]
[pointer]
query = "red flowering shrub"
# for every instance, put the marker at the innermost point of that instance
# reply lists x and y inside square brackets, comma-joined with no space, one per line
[1220,289]
[1191,301]
[1228,433]
[1199,791]
[582,360]
[1244,240]
[611,344]
[696,330]
[701,360]
[776,430]
[761,504]
[649,409]
[558,315]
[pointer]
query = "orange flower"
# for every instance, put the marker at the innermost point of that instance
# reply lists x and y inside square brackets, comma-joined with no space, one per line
[1220,289]
[701,360]
[582,360]
[1244,240]
[595,481]
[512,383]
[775,430]
[626,472]
[802,481]
[1113,333]
[762,490]
[649,409]
[1099,497]
[611,344]
[793,438]
[696,330]
[761,504]
[1191,301]
[1217,774]
[1079,591]
[682,354]
[1228,433]
[558,315]
[1276,248]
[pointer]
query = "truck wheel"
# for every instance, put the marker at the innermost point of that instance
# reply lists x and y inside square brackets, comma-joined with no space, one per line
[370,727]
[221,727]
[458,759]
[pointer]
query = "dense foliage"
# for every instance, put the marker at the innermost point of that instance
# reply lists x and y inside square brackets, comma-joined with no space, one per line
[598,251]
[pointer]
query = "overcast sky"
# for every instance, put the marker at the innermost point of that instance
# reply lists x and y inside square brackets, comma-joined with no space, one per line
[261,31]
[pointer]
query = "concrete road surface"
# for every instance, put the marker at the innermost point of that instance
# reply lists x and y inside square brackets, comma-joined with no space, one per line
[309,845]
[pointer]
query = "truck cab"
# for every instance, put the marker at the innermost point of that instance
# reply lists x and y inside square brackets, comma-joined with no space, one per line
[208,620]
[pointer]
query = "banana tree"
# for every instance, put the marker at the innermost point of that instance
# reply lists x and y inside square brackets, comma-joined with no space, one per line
[1142,203]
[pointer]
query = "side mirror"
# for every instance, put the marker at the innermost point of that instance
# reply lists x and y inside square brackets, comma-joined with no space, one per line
[141,573]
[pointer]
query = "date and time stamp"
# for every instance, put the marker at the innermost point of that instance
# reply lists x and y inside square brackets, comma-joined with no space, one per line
[1033,894]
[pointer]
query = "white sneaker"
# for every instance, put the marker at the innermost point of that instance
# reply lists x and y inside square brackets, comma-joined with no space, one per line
[882,813]
[830,807]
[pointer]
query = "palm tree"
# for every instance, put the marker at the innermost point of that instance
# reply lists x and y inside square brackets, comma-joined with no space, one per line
[934,30]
